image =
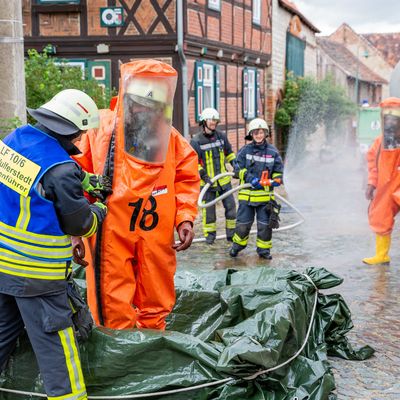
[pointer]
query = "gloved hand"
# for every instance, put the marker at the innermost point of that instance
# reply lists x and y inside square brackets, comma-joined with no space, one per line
[255,183]
[98,186]
[276,182]
[100,210]
[186,235]
[78,251]
[369,192]
[273,208]
[81,316]
[207,179]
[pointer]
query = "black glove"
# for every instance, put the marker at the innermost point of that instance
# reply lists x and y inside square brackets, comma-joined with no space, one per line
[204,176]
[100,210]
[273,209]
[98,186]
[81,317]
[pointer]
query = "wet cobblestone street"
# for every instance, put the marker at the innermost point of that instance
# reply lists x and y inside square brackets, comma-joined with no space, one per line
[335,235]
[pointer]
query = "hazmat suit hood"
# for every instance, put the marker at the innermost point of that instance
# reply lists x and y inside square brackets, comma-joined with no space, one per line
[391,123]
[146,100]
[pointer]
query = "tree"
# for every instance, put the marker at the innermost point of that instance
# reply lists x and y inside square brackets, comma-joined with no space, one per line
[46,76]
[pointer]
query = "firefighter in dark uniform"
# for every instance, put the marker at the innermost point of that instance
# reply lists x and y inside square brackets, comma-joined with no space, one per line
[42,206]
[214,150]
[253,159]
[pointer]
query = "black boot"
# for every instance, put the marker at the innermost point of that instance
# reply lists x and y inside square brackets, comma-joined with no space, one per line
[266,255]
[210,238]
[233,252]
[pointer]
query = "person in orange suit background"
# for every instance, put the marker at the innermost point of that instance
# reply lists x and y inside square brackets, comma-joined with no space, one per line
[155,182]
[383,187]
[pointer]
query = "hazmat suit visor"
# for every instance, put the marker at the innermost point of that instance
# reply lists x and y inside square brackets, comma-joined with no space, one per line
[391,131]
[148,117]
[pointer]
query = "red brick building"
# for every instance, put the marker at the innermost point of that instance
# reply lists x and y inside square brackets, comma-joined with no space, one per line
[219,47]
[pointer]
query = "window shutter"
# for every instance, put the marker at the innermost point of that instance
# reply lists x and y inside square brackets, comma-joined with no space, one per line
[199,89]
[216,86]
[258,105]
[245,85]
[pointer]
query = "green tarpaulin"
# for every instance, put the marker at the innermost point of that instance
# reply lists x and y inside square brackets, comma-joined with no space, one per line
[226,328]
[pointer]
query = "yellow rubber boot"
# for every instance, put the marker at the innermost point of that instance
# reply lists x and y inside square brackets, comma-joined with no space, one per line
[382,251]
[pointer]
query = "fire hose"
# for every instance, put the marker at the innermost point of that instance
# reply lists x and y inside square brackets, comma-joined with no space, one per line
[201,204]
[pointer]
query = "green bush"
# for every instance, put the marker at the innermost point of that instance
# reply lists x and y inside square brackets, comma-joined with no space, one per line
[308,104]
[45,77]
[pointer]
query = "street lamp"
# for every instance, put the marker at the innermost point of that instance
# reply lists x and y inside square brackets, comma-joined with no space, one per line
[366,55]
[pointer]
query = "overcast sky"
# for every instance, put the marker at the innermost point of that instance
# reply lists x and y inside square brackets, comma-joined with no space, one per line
[364,16]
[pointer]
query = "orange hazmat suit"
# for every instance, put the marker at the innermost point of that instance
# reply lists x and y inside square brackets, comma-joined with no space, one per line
[384,175]
[384,180]
[130,277]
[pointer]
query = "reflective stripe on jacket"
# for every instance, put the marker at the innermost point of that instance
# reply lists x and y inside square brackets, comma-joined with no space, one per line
[252,161]
[214,151]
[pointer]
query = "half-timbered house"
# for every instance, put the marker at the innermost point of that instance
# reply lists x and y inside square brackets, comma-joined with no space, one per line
[220,48]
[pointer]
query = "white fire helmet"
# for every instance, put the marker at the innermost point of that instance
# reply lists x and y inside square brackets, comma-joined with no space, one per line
[209,113]
[256,123]
[75,106]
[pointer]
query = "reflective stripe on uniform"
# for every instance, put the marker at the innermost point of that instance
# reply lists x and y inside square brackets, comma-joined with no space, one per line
[255,196]
[24,213]
[32,272]
[276,175]
[26,236]
[261,159]
[208,146]
[73,365]
[209,164]
[237,239]
[264,244]
[222,161]
[93,229]
[242,172]
[40,252]
[11,256]
[230,223]
[230,157]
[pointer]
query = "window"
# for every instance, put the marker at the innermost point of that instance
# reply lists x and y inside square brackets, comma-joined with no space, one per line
[99,70]
[207,86]
[257,12]
[214,5]
[252,106]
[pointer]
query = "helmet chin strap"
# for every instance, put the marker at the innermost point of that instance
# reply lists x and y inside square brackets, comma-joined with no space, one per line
[211,131]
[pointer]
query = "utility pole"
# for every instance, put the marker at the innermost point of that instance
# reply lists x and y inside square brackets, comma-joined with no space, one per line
[12,74]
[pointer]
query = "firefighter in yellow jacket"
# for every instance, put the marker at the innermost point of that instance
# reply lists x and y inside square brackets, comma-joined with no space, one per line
[155,188]
[214,151]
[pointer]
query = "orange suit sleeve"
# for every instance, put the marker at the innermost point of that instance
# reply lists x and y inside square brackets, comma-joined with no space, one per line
[187,180]
[372,160]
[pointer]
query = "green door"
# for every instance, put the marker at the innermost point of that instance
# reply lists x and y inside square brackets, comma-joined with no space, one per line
[369,125]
